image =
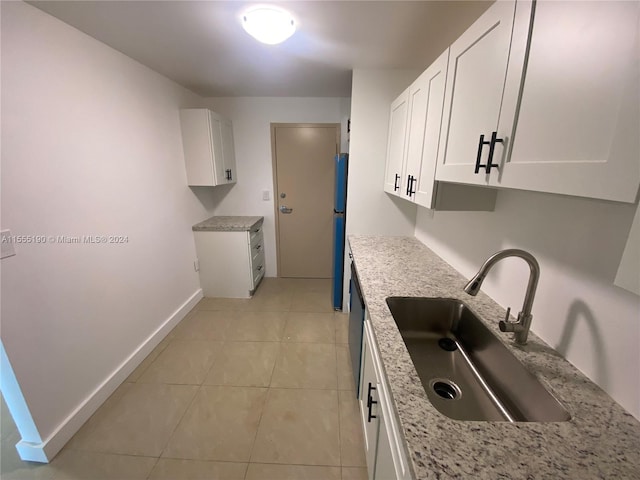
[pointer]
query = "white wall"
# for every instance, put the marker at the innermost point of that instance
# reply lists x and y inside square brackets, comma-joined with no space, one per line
[369,209]
[90,146]
[578,243]
[252,118]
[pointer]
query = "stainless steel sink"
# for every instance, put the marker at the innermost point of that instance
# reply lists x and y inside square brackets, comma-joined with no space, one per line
[467,373]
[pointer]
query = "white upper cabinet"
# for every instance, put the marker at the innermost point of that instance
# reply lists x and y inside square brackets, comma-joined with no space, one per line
[546,97]
[209,153]
[628,276]
[579,120]
[426,97]
[415,120]
[396,143]
[485,68]
[228,150]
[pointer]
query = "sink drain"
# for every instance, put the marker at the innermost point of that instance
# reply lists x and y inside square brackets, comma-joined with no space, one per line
[448,344]
[446,389]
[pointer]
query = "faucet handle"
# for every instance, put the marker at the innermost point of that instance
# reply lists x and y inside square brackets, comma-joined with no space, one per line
[505,325]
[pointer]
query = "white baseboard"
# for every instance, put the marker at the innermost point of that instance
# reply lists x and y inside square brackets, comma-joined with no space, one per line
[45,451]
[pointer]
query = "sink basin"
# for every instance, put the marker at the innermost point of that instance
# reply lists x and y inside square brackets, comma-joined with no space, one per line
[467,373]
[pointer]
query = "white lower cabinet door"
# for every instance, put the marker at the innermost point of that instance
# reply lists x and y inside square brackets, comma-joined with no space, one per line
[385,455]
[369,407]
[385,468]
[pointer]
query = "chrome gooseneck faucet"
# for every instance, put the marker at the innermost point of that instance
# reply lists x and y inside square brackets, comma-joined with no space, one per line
[521,327]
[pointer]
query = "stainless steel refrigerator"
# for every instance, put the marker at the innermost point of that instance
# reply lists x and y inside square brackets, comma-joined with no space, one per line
[339,213]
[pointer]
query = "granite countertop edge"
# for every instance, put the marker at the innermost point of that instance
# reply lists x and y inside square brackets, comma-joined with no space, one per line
[601,440]
[237,223]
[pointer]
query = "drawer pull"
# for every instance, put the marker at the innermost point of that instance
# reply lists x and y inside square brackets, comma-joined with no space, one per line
[259,268]
[258,247]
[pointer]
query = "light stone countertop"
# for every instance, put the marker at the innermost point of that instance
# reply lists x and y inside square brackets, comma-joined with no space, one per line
[228,224]
[600,441]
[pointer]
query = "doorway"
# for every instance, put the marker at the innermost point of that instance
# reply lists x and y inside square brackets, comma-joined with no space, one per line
[303,172]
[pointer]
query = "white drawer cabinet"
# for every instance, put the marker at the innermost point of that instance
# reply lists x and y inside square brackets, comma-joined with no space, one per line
[209,152]
[231,262]
[384,447]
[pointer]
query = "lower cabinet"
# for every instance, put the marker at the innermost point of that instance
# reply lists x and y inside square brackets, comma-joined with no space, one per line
[386,458]
[231,263]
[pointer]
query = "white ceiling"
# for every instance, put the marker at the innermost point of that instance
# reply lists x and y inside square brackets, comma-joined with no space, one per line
[202,46]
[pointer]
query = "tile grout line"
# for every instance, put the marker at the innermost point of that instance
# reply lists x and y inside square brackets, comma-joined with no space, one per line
[154,466]
[264,406]
[339,414]
[199,388]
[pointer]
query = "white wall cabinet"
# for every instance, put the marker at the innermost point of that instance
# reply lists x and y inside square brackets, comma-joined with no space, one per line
[396,143]
[209,151]
[415,121]
[231,262]
[483,82]
[386,458]
[579,118]
[567,122]
[628,275]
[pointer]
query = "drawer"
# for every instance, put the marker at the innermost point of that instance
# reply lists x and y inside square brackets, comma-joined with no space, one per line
[257,249]
[255,236]
[257,268]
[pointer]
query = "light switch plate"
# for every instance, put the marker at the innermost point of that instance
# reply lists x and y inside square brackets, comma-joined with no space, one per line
[265,195]
[7,244]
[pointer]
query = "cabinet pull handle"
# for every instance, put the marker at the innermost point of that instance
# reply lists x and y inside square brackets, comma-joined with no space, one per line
[408,191]
[370,403]
[258,247]
[492,143]
[396,187]
[228,172]
[481,144]
[412,182]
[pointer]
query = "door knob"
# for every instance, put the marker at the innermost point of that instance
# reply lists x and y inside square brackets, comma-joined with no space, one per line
[284,209]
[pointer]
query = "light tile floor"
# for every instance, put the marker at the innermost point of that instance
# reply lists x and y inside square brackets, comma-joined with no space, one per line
[254,389]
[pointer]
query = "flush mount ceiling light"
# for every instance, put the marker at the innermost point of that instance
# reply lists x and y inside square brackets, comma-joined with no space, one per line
[270,25]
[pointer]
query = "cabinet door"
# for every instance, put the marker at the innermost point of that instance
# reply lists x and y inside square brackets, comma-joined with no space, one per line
[369,413]
[427,99]
[396,144]
[628,276]
[474,91]
[384,468]
[579,118]
[196,142]
[215,128]
[228,152]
